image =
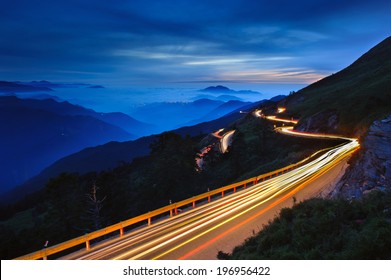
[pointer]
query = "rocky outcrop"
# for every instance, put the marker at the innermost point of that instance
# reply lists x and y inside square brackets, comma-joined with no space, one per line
[371,170]
[325,121]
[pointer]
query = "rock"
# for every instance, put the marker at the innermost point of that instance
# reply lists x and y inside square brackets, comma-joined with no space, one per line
[325,121]
[371,169]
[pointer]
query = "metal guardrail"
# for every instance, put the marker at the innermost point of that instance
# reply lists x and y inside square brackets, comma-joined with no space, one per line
[172,209]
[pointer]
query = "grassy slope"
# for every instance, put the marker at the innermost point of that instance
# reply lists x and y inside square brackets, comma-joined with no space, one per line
[360,94]
[324,229]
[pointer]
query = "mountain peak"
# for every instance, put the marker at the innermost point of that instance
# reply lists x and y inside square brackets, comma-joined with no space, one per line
[218,88]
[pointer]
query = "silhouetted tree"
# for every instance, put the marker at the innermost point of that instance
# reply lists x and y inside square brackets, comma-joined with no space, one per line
[94,206]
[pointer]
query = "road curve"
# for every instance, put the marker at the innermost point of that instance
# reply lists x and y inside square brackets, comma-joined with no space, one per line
[226,141]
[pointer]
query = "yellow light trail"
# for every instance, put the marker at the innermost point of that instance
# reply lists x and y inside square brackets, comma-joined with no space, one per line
[274,118]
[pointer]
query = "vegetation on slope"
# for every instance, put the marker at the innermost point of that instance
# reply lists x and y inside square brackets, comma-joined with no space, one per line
[324,229]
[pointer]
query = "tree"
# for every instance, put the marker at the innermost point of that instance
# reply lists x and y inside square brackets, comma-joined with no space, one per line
[94,205]
[173,166]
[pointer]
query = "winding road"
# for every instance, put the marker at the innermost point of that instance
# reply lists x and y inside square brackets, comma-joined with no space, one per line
[199,233]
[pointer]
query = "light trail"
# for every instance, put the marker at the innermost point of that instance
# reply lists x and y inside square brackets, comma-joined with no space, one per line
[258,114]
[226,140]
[274,118]
[202,223]
[217,133]
[289,131]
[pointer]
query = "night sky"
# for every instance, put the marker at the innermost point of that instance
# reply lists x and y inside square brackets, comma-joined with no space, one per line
[158,42]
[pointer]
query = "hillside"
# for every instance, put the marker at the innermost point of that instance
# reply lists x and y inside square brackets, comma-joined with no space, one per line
[324,229]
[349,101]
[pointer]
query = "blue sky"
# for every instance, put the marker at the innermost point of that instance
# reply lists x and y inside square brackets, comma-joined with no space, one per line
[161,42]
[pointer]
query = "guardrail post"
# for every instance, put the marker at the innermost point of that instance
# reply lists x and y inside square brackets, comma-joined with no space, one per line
[45,257]
[176,211]
[88,246]
[171,213]
[209,198]
[234,189]
[149,221]
[121,232]
[245,186]
[222,194]
[194,204]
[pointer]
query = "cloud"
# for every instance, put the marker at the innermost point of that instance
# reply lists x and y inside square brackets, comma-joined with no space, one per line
[186,40]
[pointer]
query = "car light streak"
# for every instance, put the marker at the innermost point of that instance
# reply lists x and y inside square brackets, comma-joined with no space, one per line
[217,133]
[226,140]
[258,113]
[289,131]
[274,118]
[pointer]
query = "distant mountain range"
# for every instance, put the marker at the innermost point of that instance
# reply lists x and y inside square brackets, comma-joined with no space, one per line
[47,132]
[13,87]
[219,111]
[106,156]
[230,107]
[35,133]
[170,115]
[36,86]
[111,154]
[164,115]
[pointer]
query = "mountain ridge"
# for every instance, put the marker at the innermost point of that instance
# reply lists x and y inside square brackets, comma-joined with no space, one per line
[12,87]
[350,100]
[226,90]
